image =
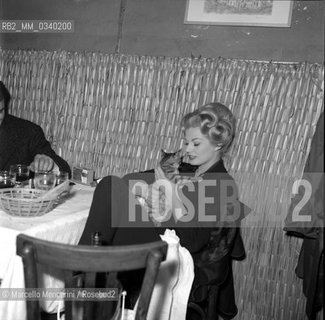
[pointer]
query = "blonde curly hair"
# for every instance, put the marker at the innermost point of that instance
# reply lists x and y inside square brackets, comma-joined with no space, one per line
[215,121]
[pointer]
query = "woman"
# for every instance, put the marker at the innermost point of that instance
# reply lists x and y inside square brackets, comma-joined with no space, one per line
[208,134]
[208,210]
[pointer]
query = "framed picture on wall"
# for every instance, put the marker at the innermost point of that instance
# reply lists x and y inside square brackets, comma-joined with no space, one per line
[265,13]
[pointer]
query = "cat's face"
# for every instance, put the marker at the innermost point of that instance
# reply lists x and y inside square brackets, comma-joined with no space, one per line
[171,158]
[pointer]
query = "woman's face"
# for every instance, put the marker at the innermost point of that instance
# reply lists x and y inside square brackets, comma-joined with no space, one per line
[198,149]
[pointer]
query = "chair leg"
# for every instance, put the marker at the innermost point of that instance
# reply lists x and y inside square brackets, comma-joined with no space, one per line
[212,303]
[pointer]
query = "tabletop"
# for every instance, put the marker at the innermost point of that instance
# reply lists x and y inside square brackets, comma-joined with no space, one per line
[64,224]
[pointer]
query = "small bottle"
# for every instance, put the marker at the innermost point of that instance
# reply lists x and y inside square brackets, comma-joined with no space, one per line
[96,239]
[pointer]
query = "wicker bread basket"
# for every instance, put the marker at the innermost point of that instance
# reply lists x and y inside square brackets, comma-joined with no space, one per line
[22,202]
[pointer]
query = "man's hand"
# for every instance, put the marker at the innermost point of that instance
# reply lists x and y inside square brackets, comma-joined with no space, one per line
[42,163]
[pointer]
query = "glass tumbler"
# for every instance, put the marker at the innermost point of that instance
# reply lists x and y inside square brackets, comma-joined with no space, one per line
[7,180]
[61,176]
[20,172]
[44,180]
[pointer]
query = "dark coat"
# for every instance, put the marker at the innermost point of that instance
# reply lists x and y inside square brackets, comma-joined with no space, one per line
[21,140]
[213,267]
[310,265]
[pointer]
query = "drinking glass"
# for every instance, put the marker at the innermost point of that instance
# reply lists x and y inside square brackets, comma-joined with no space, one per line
[7,180]
[44,180]
[61,177]
[20,172]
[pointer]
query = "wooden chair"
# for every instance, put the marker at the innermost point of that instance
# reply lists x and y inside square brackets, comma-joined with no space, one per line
[90,260]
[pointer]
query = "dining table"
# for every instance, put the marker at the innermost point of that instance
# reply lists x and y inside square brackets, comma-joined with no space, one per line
[64,224]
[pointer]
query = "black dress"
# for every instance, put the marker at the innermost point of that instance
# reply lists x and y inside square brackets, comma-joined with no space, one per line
[212,244]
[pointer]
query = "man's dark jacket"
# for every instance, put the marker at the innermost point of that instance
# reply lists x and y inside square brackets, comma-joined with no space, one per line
[21,140]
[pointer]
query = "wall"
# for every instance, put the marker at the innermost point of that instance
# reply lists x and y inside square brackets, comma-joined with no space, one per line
[155,27]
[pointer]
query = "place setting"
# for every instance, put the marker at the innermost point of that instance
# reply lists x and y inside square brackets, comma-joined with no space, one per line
[24,193]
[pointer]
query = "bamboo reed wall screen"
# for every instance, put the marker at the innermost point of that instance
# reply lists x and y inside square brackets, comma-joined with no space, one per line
[115,112]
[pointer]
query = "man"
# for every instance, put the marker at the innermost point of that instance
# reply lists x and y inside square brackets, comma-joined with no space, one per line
[23,142]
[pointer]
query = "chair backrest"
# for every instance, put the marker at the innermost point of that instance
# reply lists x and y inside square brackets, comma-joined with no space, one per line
[89,260]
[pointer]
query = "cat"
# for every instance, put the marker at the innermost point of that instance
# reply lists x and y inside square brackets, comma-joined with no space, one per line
[169,163]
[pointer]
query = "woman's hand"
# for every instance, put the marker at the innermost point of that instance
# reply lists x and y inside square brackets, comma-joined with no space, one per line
[169,201]
[159,174]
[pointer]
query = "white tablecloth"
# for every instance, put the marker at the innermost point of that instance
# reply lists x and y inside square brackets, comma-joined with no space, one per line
[63,224]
